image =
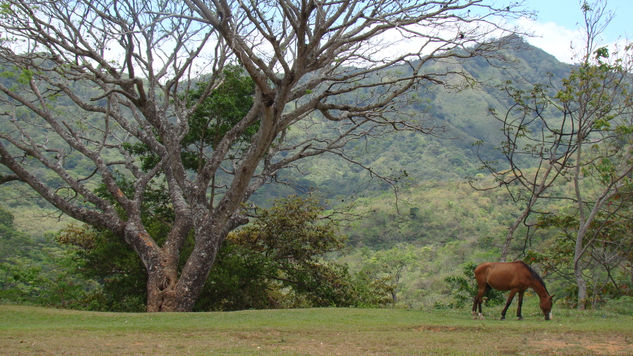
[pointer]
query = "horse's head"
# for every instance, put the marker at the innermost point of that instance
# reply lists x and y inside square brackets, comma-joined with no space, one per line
[546,306]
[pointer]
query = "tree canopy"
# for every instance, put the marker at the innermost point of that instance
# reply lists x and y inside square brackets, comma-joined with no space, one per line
[88,80]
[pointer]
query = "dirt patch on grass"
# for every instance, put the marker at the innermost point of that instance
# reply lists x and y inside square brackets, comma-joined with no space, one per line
[586,344]
[422,340]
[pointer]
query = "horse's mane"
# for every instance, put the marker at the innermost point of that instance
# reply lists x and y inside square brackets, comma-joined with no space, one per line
[535,275]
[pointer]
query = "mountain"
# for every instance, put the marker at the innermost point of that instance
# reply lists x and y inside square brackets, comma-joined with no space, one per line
[459,117]
[436,217]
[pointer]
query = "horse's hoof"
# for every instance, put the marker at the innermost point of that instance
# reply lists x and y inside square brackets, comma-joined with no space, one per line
[520,318]
[503,318]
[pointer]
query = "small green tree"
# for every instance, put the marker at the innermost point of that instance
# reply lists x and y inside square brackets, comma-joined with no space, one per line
[103,258]
[389,266]
[608,263]
[289,241]
[579,132]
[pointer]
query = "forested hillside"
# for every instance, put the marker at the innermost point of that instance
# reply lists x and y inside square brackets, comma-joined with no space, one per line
[459,117]
[457,113]
[412,241]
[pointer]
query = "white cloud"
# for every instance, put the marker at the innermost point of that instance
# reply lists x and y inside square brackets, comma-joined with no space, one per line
[563,43]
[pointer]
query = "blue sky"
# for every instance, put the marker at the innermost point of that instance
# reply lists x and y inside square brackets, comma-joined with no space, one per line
[560,23]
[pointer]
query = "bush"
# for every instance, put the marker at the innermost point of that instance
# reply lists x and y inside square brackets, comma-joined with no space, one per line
[621,305]
[463,289]
[275,262]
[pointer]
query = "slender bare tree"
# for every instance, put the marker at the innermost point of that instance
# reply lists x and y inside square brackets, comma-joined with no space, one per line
[529,131]
[93,78]
[577,132]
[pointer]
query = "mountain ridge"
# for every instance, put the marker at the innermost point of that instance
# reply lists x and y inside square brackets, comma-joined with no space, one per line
[460,117]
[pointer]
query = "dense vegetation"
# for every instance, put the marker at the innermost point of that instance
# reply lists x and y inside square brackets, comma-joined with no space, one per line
[318,79]
[411,249]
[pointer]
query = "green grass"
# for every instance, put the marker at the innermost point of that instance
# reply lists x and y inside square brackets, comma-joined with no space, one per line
[329,331]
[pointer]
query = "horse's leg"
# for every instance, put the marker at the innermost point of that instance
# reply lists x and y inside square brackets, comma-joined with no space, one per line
[477,302]
[479,299]
[510,297]
[520,304]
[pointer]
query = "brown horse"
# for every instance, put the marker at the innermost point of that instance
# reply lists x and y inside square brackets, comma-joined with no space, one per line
[513,276]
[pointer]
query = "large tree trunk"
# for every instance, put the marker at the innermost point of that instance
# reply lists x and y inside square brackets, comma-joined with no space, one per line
[171,291]
[166,294]
[161,293]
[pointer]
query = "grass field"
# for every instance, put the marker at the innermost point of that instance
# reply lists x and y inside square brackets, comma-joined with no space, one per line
[329,331]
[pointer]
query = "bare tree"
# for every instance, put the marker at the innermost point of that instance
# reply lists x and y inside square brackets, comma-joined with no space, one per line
[576,133]
[536,150]
[93,77]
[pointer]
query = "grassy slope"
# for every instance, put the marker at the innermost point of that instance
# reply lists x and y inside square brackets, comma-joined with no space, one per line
[29,330]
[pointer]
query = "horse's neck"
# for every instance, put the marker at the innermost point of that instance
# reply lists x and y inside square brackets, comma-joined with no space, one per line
[539,288]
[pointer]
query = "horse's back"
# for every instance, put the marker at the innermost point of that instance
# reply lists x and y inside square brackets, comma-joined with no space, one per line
[482,271]
[482,268]
[502,275]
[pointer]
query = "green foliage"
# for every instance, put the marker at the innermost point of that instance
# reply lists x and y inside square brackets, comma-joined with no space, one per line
[217,114]
[107,259]
[429,213]
[291,229]
[283,252]
[621,305]
[464,288]
[237,281]
[26,281]
[372,291]
[6,219]
[608,259]
[36,272]
[220,110]
[276,262]
[388,267]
